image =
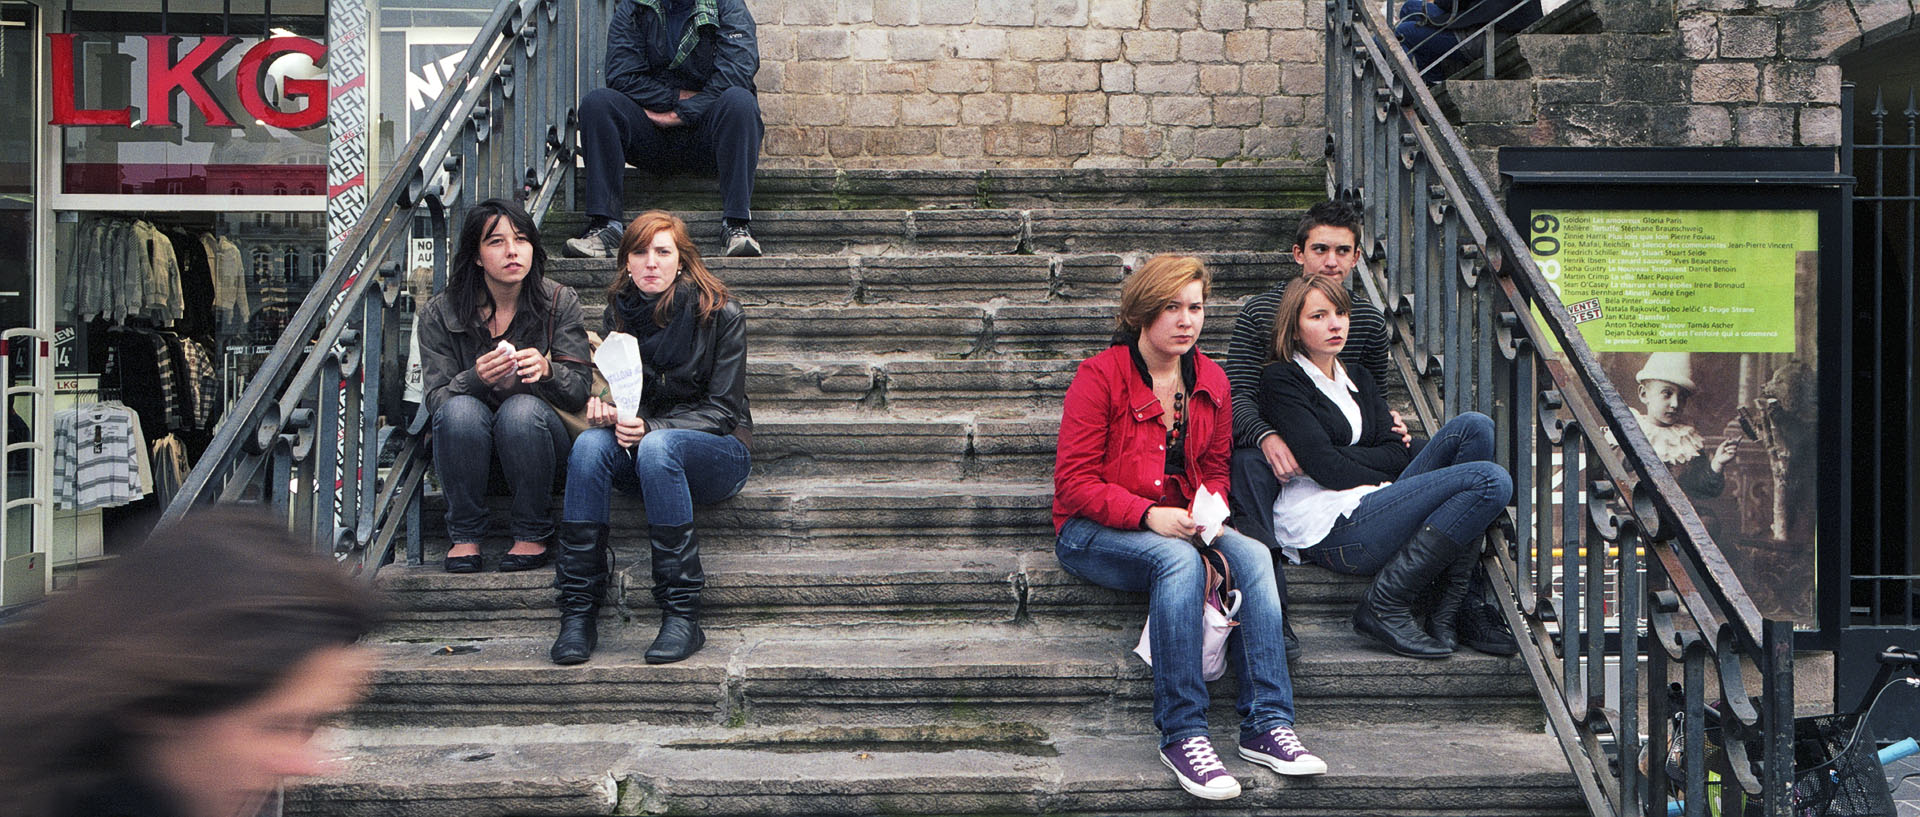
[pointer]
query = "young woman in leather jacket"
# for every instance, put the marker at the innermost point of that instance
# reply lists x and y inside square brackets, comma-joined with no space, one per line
[490,403]
[688,446]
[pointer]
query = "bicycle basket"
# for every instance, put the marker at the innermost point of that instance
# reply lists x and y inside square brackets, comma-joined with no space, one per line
[1854,785]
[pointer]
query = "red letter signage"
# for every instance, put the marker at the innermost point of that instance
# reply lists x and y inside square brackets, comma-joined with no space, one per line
[164,76]
[253,72]
[65,109]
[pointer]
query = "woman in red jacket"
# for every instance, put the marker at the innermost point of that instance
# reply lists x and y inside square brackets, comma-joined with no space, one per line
[1146,424]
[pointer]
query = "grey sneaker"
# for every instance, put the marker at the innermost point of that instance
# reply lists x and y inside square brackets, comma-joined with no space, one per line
[1199,769]
[740,243]
[1281,750]
[602,241]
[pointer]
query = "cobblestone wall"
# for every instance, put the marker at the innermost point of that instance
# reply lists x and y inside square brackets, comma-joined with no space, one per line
[1683,72]
[1040,83]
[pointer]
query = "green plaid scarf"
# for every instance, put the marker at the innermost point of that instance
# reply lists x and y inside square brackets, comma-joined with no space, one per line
[706,14]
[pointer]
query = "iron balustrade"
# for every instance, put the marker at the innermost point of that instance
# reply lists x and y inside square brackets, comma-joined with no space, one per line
[1628,613]
[504,126]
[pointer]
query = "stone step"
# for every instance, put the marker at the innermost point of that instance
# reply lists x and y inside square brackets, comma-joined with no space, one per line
[1391,770]
[891,675]
[1575,56]
[990,231]
[798,513]
[1068,330]
[830,280]
[879,583]
[1272,186]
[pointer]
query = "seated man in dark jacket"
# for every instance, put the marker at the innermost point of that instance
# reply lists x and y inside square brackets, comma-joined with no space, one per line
[1430,29]
[679,97]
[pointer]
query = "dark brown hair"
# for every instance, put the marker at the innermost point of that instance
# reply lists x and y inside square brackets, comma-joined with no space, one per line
[639,235]
[1151,287]
[207,615]
[1286,317]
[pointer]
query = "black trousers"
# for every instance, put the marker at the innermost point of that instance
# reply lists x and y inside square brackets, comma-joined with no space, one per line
[615,132]
[1251,501]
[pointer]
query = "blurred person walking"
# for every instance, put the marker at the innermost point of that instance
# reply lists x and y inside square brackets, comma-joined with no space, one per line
[187,681]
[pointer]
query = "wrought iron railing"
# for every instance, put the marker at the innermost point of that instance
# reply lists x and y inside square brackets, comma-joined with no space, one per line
[1627,610]
[504,126]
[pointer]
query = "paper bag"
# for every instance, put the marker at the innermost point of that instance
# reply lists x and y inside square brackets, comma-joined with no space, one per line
[618,360]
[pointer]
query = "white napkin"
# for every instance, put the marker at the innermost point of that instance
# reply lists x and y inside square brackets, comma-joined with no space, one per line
[618,360]
[1209,514]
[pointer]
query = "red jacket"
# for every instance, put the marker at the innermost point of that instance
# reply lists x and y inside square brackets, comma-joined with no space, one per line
[1111,460]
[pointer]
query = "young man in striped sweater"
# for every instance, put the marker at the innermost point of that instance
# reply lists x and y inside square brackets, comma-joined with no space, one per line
[1326,243]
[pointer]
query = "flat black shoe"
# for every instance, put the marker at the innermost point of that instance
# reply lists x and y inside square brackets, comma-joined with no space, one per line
[515,562]
[462,564]
[679,639]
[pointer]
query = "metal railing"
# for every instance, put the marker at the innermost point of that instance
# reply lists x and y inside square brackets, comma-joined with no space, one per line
[1628,613]
[503,127]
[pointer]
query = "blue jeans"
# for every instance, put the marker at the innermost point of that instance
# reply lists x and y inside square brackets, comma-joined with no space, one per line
[1452,484]
[530,441]
[1172,573]
[673,468]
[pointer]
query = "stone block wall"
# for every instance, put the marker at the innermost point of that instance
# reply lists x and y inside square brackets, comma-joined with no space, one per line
[1762,73]
[1040,83]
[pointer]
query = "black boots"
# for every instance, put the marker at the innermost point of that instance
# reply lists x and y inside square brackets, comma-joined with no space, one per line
[1386,612]
[1449,598]
[580,571]
[677,581]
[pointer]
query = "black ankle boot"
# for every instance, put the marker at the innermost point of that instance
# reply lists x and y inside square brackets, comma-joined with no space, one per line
[580,569]
[1386,612]
[1451,598]
[677,582]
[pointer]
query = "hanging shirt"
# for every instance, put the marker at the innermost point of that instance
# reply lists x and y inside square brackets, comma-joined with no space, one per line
[95,461]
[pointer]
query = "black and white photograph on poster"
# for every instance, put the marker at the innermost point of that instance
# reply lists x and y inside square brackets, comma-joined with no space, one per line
[1705,323]
[414,66]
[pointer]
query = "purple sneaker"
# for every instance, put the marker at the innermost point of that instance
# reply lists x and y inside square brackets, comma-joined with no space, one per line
[1199,770]
[1282,751]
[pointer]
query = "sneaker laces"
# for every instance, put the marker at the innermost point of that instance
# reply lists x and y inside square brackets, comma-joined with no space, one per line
[1487,617]
[1200,755]
[1289,742]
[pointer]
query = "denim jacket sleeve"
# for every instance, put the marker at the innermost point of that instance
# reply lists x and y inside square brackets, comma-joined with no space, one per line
[736,59]
[725,406]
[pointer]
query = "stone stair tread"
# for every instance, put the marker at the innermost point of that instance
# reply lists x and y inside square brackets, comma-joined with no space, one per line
[998,230]
[1455,769]
[1334,658]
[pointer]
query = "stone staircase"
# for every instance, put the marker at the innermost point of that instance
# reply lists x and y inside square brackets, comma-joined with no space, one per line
[889,631]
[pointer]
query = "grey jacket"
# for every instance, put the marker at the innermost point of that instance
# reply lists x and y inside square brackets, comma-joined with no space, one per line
[449,347]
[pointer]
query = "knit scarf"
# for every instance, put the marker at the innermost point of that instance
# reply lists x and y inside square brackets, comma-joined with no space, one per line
[662,347]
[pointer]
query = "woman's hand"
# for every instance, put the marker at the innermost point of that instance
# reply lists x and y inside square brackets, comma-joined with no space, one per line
[1400,428]
[600,412]
[531,365]
[495,367]
[1172,523]
[1279,458]
[629,432]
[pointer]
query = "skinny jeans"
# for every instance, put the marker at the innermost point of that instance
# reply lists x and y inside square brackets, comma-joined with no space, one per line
[1173,575]
[1452,484]
[530,442]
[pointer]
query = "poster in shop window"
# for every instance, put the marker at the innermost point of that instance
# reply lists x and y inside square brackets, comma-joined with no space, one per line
[1705,321]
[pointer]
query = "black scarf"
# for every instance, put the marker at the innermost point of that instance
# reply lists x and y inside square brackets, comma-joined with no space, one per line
[662,347]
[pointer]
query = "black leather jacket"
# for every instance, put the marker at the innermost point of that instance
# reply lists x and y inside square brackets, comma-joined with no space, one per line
[709,391]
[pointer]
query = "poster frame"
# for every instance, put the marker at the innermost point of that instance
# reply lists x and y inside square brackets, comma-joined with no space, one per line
[1693,178]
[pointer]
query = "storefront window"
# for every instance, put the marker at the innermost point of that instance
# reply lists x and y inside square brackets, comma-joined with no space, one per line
[164,317]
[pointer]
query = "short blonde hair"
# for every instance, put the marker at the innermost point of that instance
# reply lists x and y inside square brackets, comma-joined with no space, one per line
[1286,317]
[1151,287]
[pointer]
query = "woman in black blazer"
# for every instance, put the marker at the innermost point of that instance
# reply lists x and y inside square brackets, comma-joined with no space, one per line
[1371,502]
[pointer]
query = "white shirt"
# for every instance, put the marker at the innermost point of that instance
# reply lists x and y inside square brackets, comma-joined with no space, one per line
[1305,510]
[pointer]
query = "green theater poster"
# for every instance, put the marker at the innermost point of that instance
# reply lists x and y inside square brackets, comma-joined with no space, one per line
[1705,322]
